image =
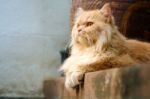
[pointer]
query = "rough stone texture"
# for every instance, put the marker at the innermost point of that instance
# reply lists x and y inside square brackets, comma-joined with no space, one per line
[118,83]
[54,89]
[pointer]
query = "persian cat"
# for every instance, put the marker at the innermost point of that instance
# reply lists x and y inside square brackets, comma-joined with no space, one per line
[97,44]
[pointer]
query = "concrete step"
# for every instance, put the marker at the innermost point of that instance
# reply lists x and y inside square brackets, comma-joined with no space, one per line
[21,98]
[131,82]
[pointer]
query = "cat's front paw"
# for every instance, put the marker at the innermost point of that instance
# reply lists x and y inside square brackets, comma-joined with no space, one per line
[73,79]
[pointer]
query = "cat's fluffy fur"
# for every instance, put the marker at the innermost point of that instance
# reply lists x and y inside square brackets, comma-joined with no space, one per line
[97,44]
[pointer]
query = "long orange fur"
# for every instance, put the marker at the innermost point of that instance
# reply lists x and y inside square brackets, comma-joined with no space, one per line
[97,44]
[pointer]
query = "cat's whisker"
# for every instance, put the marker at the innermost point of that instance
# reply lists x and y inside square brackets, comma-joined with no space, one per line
[88,39]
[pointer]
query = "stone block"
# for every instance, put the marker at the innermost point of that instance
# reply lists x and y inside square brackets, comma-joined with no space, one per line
[118,83]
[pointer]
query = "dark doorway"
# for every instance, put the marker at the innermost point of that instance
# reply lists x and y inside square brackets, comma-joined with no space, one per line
[139,25]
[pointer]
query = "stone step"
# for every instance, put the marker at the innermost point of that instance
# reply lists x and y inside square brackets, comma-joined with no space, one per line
[131,82]
[21,98]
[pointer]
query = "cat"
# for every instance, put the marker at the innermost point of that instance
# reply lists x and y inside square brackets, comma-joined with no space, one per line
[97,44]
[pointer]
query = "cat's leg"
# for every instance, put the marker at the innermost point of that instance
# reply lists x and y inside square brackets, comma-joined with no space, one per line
[76,72]
[73,75]
[66,65]
[73,79]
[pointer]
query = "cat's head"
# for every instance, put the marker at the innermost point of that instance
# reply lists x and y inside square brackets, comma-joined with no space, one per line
[93,26]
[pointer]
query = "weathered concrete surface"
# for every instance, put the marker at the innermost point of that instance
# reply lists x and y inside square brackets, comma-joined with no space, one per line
[118,83]
[55,89]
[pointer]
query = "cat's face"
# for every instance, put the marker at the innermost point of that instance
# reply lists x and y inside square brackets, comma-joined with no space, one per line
[90,24]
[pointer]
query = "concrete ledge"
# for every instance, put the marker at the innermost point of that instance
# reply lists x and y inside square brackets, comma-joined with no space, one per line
[118,83]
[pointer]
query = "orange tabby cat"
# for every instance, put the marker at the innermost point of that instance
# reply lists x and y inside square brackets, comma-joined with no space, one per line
[97,44]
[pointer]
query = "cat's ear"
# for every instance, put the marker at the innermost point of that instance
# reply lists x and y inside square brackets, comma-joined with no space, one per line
[107,12]
[79,12]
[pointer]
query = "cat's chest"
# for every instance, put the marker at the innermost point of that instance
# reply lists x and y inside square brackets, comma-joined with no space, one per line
[84,52]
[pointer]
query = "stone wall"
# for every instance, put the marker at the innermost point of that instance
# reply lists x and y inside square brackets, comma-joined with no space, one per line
[118,83]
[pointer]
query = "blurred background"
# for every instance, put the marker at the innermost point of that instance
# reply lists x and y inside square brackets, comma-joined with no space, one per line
[32,32]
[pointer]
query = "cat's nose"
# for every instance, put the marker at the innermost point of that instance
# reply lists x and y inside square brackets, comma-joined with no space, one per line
[79,30]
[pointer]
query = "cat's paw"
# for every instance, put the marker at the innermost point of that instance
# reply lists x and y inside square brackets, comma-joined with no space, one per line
[74,79]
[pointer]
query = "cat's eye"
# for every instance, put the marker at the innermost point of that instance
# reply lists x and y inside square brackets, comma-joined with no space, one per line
[89,23]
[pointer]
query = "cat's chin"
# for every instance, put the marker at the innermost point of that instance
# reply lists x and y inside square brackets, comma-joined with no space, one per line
[83,44]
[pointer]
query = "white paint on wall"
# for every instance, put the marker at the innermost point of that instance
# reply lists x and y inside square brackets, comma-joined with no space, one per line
[32,32]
